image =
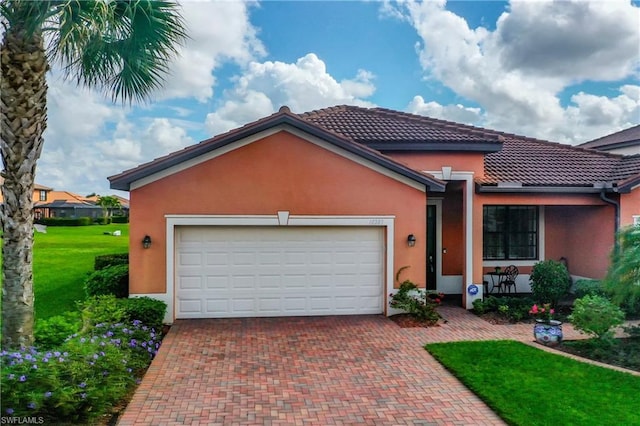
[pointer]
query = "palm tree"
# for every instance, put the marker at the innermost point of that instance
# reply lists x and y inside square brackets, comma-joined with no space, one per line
[108,203]
[122,48]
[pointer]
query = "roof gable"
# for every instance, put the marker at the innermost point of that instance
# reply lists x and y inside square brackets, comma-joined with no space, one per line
[279,121]
[623,138]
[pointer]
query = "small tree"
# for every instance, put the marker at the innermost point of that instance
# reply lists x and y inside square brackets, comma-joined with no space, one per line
[108,204]
[623,276]
[550,280]
[596,315]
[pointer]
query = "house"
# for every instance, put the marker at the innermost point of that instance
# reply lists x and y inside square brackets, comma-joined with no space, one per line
[315,213]
[66,204]
[626,142]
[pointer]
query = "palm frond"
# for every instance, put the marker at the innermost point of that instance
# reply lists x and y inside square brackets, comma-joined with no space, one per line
[122,47]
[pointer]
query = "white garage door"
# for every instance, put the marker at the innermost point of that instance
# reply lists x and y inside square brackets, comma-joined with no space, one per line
[278,271]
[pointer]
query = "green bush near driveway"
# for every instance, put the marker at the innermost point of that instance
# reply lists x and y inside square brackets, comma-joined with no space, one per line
[110,280]
[528,386]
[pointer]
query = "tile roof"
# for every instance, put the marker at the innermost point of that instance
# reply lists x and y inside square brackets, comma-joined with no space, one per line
[385,127]
[529,161]
[630,136]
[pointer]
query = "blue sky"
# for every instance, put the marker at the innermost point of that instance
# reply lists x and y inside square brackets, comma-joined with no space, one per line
[566,71]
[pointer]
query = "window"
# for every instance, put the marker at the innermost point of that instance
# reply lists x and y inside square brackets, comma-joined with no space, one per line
[510,233]
[43,195]
[636,220]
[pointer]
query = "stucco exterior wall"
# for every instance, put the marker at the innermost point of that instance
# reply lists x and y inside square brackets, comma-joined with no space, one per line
[629,206]
[584,236]
[278,173]
[434,161]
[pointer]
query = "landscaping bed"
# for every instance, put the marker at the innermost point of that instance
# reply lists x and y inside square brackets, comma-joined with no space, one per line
[623,352]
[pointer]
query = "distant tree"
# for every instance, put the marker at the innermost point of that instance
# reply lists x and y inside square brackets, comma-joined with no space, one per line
[108,204]
[121,47]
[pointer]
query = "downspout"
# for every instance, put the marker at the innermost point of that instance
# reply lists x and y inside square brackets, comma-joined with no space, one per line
[616,206]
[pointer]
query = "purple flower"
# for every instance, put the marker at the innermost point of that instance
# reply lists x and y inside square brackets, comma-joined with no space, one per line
[48,394]
[133,343]
[96,356]
[11,376]
[23,378]
[9,411]
[83,395]
[83,385]
[82,340]
[109,333]
[137,322]
[60,359]
[34,366]
[104,373]
[31,405]
[57,354]
[45,359]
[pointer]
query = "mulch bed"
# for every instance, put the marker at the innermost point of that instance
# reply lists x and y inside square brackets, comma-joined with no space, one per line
[407,321]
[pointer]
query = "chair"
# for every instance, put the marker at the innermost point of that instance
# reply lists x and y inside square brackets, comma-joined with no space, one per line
[510,274]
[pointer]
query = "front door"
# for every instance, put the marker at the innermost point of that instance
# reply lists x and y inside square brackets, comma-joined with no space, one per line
[431,247]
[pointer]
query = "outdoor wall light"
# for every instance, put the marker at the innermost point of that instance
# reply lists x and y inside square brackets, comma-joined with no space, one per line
[411,240]
[146,242]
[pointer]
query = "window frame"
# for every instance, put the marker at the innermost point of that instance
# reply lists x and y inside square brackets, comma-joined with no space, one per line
[505,236]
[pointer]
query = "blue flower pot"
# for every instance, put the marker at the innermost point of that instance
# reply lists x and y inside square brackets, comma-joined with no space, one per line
[548,332]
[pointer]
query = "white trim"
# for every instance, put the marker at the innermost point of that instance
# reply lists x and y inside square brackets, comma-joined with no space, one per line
[468,222]
[269,132]
[269,220]
[636,219]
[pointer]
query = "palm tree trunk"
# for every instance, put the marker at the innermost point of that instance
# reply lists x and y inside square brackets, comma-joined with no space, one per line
[23,117]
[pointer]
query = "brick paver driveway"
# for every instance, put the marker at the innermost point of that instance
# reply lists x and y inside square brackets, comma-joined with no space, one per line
[312,370]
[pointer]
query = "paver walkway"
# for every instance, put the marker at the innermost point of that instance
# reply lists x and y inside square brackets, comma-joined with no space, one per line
[312,371]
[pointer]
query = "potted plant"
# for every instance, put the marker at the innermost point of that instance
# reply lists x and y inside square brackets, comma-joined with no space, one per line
[546,330]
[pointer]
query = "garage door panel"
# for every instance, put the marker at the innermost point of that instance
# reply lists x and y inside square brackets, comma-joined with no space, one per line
[259,271]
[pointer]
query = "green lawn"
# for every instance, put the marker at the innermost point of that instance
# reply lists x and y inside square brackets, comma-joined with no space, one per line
[62,259]
[527,386]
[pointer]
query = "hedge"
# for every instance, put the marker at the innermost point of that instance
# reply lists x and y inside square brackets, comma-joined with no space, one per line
[63,221]
[106,260]
[120,219]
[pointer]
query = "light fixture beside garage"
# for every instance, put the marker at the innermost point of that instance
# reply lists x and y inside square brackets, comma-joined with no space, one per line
[146,242]
[411,240]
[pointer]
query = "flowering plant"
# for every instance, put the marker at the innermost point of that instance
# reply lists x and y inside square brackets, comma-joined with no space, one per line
[543,312]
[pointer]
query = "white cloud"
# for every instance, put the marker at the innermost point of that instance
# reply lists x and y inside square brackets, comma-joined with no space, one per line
[218,31]
[538,49]
[302,86]
[457,113]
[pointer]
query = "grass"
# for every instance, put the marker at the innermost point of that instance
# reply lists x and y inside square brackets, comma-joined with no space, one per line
[528,386]
[62,259]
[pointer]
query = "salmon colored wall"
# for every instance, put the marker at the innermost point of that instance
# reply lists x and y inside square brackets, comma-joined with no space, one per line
[280,172]
[458,161]
[584,236]
[453,230]
[629,206]
[567,217]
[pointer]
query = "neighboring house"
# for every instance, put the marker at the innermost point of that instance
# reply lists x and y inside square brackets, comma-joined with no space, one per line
[68,205]
[313,214]
[123,210]
[626,142]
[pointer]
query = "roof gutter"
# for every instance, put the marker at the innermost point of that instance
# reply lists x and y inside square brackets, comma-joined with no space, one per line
[616,206]
[518,188]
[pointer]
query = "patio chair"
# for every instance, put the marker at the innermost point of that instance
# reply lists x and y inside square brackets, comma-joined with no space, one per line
[510,274]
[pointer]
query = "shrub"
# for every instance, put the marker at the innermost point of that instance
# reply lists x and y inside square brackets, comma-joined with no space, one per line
[513,309]
[587,287]
[120,219]
[623,276]
[419,303]
[64,221]
[110,280]
[105,260]
[550,280]
[101,309]
[80,380]
[54,331]
[596,315]
[149,311]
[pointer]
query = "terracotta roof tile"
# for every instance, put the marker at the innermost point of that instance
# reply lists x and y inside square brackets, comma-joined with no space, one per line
[529,161]
[384,125]
[632,134]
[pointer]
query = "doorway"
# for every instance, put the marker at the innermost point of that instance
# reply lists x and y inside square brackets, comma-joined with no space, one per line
[432,252]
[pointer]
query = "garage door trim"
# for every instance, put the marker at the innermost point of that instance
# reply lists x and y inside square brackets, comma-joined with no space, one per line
[279,219]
